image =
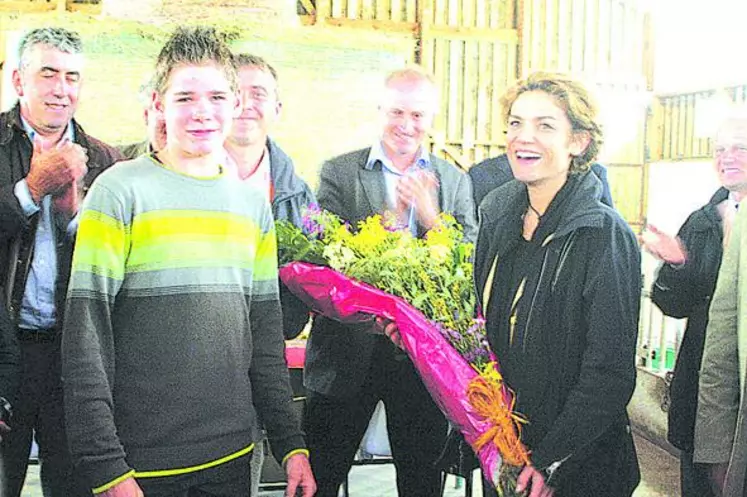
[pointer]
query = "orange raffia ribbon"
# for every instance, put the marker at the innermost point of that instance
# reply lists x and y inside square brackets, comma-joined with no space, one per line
[485,394]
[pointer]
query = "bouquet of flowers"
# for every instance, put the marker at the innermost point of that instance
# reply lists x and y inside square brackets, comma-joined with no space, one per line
[425,286]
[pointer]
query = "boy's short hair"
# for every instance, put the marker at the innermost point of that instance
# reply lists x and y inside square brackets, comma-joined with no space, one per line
[194,45]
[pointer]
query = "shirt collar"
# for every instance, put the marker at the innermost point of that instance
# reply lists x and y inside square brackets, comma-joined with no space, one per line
[377,154]
[733,204]
[31,132]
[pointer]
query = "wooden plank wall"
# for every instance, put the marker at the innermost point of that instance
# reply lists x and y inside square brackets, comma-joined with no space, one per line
[477,48]
[39,6]
[675,116]
[470,45]
[606,44]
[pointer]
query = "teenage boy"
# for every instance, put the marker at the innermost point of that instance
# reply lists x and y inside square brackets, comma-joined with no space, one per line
[173,335]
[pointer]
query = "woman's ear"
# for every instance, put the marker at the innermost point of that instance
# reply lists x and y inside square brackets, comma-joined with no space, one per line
[580,142]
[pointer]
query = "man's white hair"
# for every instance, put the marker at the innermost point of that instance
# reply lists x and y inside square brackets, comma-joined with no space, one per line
[60,38]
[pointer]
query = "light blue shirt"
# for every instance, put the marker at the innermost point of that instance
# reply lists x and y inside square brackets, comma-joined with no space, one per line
[392,176]
[38,305]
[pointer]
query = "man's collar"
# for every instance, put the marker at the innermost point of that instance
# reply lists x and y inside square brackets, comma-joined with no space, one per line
[733,203]
[69,133]
[377,154]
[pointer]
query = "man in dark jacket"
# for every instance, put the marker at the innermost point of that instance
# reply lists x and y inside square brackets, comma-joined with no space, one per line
[684,287]
[349,368]
[47,161]
[260,161]
[495,171]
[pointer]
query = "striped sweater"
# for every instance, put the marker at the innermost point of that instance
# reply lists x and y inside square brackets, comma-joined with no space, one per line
[173,326]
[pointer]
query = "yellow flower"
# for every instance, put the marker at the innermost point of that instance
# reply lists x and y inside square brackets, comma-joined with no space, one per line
[439,253]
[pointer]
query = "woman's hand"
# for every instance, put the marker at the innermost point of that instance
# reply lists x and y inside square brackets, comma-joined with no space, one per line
[534,481]
[390,329]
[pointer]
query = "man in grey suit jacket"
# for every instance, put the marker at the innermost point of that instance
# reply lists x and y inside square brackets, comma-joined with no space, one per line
[349,368]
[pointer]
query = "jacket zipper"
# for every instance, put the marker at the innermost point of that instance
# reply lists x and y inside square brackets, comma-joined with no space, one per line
[563,257]
[514,304]
[534,300]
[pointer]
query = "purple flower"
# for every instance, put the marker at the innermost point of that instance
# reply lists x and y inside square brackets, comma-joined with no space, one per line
[310,226]
[390,223]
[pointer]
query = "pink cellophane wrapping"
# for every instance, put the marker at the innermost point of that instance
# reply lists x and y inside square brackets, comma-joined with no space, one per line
[445,373]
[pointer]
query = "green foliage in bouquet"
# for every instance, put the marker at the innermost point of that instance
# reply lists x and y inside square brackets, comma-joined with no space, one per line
[433,274]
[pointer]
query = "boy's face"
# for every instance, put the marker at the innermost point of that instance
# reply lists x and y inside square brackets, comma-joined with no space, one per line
[198,107]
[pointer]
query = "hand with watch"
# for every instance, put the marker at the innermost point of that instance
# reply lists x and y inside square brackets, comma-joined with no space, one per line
[5,414]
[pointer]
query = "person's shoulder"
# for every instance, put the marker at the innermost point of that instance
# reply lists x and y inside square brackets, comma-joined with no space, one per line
[127,172]
[344,165]
[355,157]
[7,119]
[10,125]
[492,165]
[491,173]
[446,168]
[599,169]
[500,199]
[706,217]
[614,225]
[100,154]
[133,150]
[282,168]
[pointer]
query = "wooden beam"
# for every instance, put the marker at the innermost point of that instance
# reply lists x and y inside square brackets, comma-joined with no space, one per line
[388,26]
[507,36]
[25,7]
[308,7]
[522,36]
[91,9]
[322,11]
[648,51]
[307,20]
[458,158]
[424,20]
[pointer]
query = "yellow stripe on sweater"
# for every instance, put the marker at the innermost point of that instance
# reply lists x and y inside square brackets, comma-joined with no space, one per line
[192,469]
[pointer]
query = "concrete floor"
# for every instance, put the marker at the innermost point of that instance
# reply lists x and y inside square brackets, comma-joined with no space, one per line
[660,478]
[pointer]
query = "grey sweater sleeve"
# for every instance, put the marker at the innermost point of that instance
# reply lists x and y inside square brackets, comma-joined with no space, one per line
[88,352]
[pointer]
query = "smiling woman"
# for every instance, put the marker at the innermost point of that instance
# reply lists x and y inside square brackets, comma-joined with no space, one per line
[559,277]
